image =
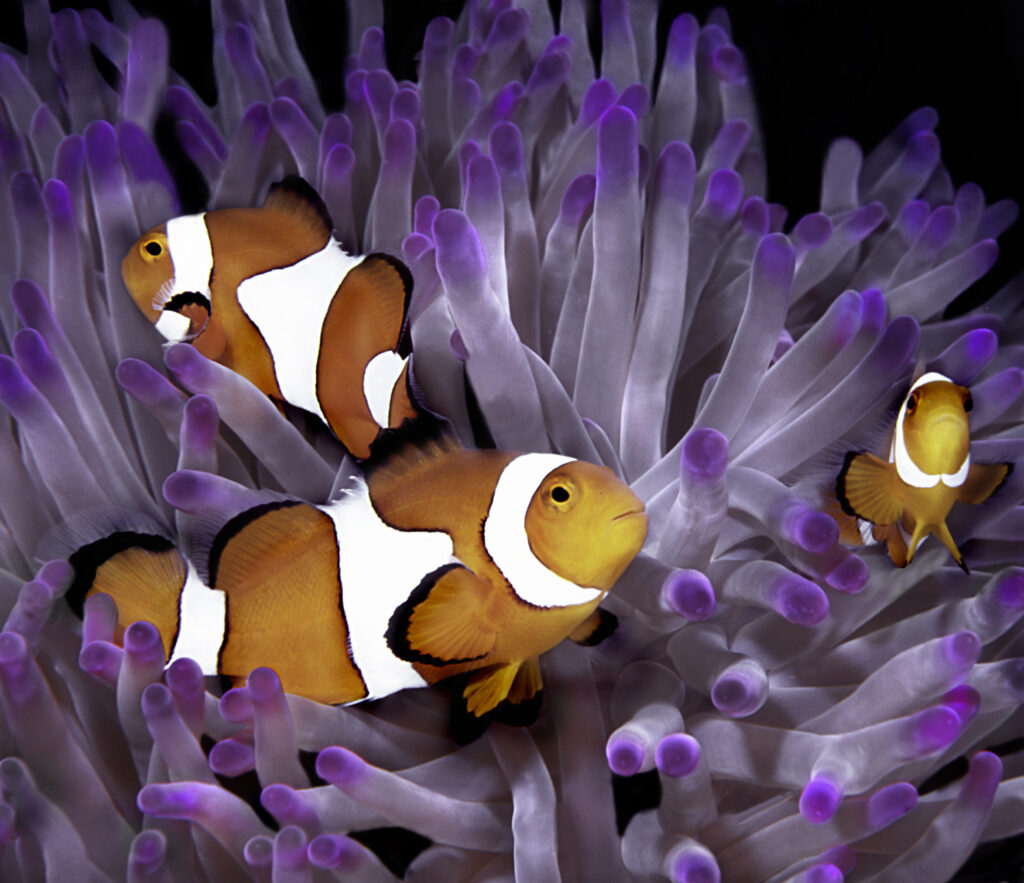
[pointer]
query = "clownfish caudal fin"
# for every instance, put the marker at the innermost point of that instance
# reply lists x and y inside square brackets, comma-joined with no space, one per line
[595,628]
[143,573]
[982,481]
[868,488]
[444,621]
[362,379]
[277,564]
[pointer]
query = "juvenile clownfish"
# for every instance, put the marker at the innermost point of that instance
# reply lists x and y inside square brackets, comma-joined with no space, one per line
[929,469]
[442,561]
[269,293]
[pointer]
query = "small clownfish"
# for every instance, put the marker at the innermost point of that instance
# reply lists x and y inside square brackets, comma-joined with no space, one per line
[441,561]
[269,293]
[929,469]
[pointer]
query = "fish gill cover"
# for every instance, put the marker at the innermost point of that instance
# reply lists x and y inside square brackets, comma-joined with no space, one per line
[599,273]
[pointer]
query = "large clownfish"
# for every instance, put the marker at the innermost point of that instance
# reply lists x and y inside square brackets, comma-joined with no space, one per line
[928,470]
[269,293]
[442,561]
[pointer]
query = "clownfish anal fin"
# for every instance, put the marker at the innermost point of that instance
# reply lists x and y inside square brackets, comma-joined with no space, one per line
[294,196]
[488,687]
[444,620]
[595,628]
[522,707]
[982,480]
[868,488]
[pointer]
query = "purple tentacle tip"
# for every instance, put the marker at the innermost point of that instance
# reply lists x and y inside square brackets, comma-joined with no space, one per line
[850,575]
[734,693]
[290,848]
[774,260]
[695,867]
[890,803]
[962,649]
[812,231]
[819,800]
[965,701]
[625,755]
[231,758]
[982,778]
[186,362]
[335,851]
[168,801]
[157,701]
[677,755]
[142,641]
[187,489]
[810,529]
[263,684]
[277,799]
[259,852]
[149,847]
[236,705]
[798,600]
[341,767]
[1010,591]
[826,873]
[460,256]
[935,728]
[705,454]
[689,593]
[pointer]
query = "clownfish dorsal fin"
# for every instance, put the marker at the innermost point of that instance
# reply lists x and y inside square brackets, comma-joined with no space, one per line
[414,446]
[294,196]
[982,481]
[445,619]
[868,488]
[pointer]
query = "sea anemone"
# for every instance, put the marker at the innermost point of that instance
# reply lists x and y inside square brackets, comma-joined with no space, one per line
[598,273]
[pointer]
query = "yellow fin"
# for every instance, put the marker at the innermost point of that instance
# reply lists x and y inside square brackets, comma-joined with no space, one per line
[445,620]
[489,687]
[867,487]
[982,481]
[528,682]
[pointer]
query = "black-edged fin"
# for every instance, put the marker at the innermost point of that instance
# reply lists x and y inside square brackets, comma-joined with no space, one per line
[143,573]
[489,687]
[409,448]
[522,707]
[465,726]
[443,622]
[868,488]
[294,196]
[982,481]
[595,628]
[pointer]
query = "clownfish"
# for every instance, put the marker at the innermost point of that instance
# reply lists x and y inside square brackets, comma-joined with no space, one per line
[929,469]
[269,293]
[441,561]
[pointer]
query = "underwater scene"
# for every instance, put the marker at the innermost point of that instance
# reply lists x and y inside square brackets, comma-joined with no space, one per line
[477,441]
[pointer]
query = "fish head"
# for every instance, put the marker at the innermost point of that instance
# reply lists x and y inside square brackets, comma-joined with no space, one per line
[585,524]
[936,428]
[167,274]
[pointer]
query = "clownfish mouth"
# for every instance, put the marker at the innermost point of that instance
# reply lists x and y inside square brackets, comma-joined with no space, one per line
[631,513]
[193,306]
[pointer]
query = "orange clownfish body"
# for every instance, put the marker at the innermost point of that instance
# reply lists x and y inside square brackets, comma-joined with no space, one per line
[270,294]
[928,470]
[442,561]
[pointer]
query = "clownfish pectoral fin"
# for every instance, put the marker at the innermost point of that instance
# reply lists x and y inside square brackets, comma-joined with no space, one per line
[295,197]
[444,621]
[595,628]
[982,481]
[362,382]
[868,488]
[488,687]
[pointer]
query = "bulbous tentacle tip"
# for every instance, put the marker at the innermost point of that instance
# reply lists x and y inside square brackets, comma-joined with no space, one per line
[341,767]
[677,755]
[819,800]
[890,803]
[625,755]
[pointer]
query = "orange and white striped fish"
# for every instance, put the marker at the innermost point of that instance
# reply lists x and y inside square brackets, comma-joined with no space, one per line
[269,293]
[903,500]
[441,561]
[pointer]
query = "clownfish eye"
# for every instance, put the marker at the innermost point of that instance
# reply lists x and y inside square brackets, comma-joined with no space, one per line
[152,249]
[968,402]
[560,494]
[912,403]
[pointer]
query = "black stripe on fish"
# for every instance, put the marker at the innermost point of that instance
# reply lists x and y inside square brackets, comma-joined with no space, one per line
[89,558]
